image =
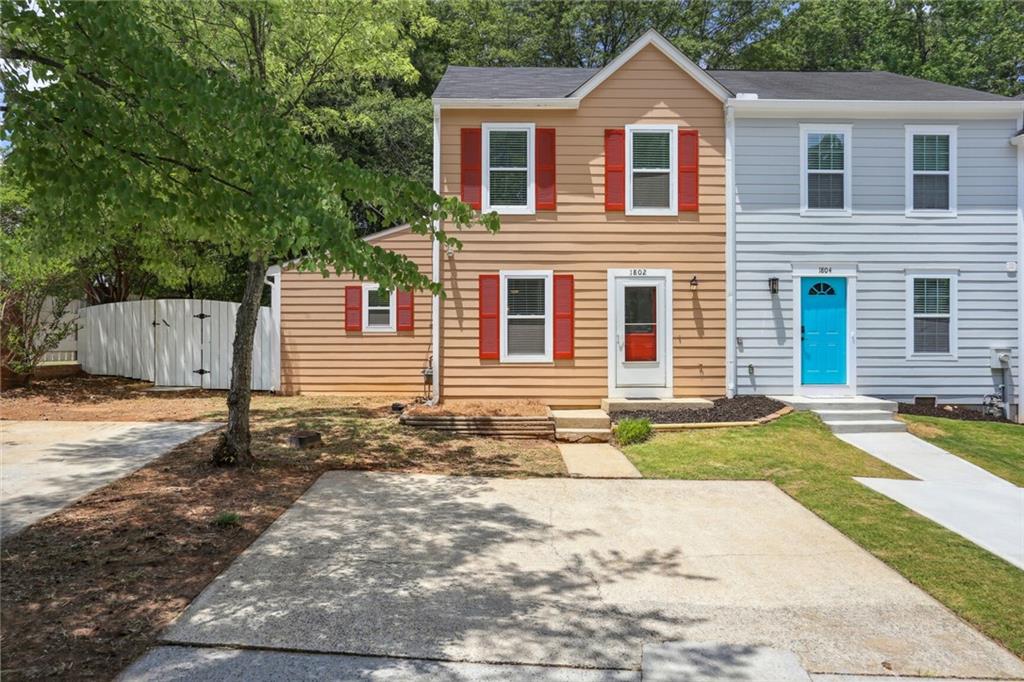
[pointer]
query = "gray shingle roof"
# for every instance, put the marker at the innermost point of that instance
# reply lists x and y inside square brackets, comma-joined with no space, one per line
[485,82]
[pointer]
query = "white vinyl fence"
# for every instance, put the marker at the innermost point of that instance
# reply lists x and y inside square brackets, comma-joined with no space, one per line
[174,342]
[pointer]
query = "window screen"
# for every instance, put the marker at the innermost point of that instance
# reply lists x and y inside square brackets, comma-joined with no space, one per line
[931,172]
[931,315]
[525,316]
[378,308]
[826,159]
[652,169]
[508,162]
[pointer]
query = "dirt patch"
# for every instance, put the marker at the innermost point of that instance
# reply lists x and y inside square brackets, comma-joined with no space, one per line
[482,408]
[740,409]
[88,589]
[922,430]
[949,412]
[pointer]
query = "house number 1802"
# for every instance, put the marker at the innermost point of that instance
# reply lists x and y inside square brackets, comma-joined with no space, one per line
[638,272]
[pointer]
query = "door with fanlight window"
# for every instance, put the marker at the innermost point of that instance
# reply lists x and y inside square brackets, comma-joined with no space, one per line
[641,332]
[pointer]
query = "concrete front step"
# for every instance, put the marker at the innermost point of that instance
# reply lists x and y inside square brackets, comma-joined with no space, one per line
[666,404]
[872,426]
[829,416]
[583,435]
[860,402]
[581,419]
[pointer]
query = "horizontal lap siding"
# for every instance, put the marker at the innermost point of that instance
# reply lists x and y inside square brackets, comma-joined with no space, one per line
[884,244]
[319,356]
[580,238]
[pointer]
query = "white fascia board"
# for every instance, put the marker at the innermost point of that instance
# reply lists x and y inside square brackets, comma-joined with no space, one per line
[776,108]
[520,103]
[654,38]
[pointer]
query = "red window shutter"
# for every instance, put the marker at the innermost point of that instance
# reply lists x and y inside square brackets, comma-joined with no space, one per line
[564,317]
[404,311]
[471,166]
[490,302]
[354,308]
[615,170]
[689,170]
[545,182]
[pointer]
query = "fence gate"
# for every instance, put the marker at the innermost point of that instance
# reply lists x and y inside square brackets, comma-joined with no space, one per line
[174,342]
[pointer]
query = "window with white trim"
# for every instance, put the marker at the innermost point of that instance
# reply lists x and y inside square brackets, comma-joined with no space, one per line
[825,175]
[508,167]
[651,169]
[378,309]
[526,300]
[931,170]
[931,315]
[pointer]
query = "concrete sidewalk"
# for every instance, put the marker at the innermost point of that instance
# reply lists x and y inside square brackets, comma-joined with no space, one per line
[961,496]
[596,460]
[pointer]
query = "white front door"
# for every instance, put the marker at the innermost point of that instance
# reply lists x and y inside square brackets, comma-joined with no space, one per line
[641,332]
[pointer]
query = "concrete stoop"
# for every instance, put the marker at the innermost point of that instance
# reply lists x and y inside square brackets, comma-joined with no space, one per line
[858,414]
[582,426]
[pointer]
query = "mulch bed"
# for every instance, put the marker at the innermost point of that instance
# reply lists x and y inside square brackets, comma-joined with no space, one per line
[739,409]
[950,412]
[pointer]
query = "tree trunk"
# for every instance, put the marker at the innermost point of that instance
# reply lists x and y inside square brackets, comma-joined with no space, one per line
[234,446]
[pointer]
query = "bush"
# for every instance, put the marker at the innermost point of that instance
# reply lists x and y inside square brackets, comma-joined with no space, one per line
[629,431]
[225,519]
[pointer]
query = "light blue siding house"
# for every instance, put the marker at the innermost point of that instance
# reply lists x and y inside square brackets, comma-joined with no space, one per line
[876,238]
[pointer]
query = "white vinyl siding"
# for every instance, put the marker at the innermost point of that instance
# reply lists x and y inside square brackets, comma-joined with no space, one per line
[825,170]
[508,168]
[526,315]
[378,309]
[931,170]
[651,170]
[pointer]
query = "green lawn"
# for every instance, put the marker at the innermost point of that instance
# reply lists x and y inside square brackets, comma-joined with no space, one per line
[799,454]
[994,446]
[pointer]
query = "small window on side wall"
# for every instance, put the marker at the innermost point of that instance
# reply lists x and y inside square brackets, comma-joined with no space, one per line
[652,173]
[508,151]
[931,316]
[931,170]
[378,309]
[825,170]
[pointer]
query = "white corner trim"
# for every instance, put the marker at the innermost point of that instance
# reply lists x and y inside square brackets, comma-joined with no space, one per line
[485,182]
[548,277]
[275,271]
[652,37]
[953,276]
[673,166]
[730,252]
[846,130]
[435,272]
[1019,141]
[908,180]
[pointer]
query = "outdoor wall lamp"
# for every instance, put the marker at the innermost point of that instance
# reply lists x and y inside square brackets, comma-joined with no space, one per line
[694,282]
[773,285]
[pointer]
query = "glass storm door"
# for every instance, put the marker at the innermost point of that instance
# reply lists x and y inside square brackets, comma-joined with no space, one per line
[823,330]
[639,335]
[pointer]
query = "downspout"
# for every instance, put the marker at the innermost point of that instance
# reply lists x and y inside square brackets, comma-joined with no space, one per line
[730,251]
[435,273]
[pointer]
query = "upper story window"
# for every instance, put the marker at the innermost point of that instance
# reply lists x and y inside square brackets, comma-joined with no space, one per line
[508,151]
[931,170]
[652,169]
[378,309]
[931,315]
[825,169]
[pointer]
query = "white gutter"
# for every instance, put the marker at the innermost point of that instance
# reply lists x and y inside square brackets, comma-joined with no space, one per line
[1018,140]
[508,103]
[435,272]
[747,106]
[730,251]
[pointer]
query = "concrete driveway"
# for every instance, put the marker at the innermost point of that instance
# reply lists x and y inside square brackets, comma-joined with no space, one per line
[45,465]
[574,573]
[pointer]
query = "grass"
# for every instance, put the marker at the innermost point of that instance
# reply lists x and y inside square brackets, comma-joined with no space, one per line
[799,455]
[994,446]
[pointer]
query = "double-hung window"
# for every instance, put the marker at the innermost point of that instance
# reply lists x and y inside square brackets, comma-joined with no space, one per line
[931,170]
[508,158]
[825,169]
[652,170]
[931,315]
[378,309]
[526,316]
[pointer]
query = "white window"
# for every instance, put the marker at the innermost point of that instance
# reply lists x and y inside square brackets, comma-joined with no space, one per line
[508,168]
[931,315]
[931,170]
[825,169]
[652,170]
[526,316]
[378,309]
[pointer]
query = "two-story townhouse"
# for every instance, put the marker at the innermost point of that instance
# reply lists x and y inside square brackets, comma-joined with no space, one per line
[665,229]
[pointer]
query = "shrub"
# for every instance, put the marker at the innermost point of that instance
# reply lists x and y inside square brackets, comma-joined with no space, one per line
[227,519]
[629,431]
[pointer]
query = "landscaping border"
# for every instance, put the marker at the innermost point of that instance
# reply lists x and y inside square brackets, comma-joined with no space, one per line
[668,428]
[495,427]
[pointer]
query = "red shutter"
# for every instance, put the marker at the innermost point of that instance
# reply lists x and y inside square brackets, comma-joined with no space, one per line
[404,311]
[354,308]
[689,170]
[471,166]
[489,319]
[615,170]
[564,317]
[545,185]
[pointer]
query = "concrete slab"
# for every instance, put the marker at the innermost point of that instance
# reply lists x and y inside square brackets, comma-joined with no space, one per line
[575,573]
[966,499]
[596,460]
[46,465]
[708,662]
[192,664]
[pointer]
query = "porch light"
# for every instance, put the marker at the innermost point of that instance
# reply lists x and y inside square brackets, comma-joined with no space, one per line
[694,282]
[773,285]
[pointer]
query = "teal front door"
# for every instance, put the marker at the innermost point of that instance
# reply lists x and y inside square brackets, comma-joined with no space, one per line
[823,330]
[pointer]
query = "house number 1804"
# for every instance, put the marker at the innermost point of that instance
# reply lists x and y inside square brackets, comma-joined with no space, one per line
[825,270]
[638,272]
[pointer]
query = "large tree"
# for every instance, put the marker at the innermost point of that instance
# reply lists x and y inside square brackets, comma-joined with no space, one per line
[125,127]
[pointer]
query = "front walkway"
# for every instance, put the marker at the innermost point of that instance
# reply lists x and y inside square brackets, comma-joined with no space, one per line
[964,498]
[573,574]
[596,460]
